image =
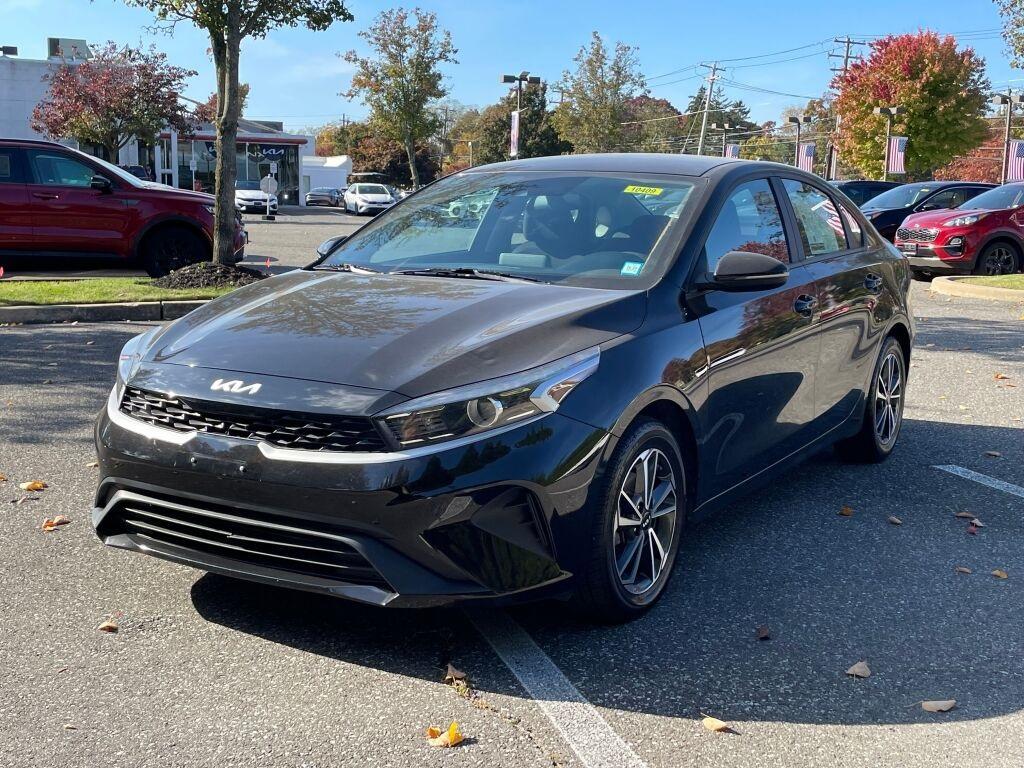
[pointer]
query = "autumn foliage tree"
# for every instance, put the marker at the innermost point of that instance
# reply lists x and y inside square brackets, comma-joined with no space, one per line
[943,89]
[207,111]
[983,163]
[117,94]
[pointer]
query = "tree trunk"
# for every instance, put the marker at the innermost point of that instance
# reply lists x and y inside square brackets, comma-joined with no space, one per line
[410,150]
[225,56]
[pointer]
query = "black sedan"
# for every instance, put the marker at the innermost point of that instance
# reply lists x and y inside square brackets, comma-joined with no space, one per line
[536,405]
[888,210]
[324,196]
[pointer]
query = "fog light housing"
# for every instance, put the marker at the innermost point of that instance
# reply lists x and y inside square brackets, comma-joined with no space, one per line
[955,245]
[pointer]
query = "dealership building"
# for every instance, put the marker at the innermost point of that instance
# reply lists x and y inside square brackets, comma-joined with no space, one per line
[181,161]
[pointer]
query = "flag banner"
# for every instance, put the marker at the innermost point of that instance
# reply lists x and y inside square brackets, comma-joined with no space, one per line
[897,150]
[1015,161]
[732,150]
[806,157]
[514,137]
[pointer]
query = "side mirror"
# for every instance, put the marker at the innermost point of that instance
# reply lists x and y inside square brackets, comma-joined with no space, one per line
[327,247]
[744,271]
[101,183]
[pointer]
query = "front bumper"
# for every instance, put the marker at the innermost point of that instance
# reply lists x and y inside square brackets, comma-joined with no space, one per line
[494,519]
[372,207]
[254,206]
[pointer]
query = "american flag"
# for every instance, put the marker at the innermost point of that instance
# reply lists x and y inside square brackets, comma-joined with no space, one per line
[806,155]
[831,216]
[732,150]
[897,149]
[1015,164]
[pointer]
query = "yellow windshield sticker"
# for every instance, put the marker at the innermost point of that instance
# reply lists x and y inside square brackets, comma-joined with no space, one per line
[634,189]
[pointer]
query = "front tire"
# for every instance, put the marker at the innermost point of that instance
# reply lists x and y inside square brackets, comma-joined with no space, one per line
[172,248]
[997,259]
[883,411]
[638,514]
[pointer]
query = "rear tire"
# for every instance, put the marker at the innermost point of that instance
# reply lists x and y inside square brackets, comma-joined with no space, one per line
[883,409]
[997,259]
[172,248]
[636,526]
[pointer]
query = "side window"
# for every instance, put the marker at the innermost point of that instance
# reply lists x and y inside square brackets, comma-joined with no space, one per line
[852,227]
[749,221]
[57,170]
[9,170]
[951,198]
[969,192]
[821,229]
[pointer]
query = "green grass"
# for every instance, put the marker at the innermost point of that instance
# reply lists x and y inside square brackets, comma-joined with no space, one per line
[1001,281]
[101,290]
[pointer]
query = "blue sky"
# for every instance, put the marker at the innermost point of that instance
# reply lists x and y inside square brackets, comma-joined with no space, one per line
[296,76]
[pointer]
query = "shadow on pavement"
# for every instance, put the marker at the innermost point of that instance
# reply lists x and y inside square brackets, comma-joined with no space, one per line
[832,590]
[999,339]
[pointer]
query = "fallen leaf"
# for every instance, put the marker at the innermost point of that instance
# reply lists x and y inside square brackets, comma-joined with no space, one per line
[715,725]
[452,674]
[33,485]
[977,523]
[1000,377]
[972,529]
[763,633]
[108,626]
[964,514]
[993,454]
[846,512]
[999,573]
[3,477]
[51,524]
[962,569]
[938,706]
[23,499]
[895,520]
[93,464]
[438,738]
[860,669]
[89,343]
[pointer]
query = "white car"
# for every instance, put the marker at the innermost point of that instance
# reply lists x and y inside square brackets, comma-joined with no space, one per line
[249,197]
[367,198]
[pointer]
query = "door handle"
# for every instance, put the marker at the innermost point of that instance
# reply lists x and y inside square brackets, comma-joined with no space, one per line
[45,195]
[873,282]
[805,304]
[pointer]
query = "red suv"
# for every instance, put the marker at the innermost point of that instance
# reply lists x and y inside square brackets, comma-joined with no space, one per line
[984,235]
[58,202]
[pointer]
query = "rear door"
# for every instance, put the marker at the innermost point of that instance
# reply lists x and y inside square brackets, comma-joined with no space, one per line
[15,213]
[69,216]
[847,268]
[762,351]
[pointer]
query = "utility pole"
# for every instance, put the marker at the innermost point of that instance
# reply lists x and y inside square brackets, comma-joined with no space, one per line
[833,154]
[712,76]
[1008,99]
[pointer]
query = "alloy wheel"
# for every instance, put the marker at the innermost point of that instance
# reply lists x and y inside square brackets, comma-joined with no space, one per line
[889,399]
[999,261]
[645,522]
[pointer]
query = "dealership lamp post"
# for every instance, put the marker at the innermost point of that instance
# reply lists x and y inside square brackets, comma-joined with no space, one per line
[522,77]
[1009,99]
[724,128]
[798,122]
[890,113]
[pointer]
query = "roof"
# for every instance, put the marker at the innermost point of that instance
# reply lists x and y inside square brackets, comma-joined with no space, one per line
[624,162]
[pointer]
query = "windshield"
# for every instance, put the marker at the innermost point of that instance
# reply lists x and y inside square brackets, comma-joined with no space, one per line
[1006,196]
[556,227]
[249,185]
[121,174]
[323,189]
[370,189]
[901,197]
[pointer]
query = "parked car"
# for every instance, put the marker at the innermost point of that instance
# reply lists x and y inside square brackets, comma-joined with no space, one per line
[367,198]
[138,171]
[324,196]
[434,413]
[888,210]
[59,202]
[862,190]
[984,236]
[249,198]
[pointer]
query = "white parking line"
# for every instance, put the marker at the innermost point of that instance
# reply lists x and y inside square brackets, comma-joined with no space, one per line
[991,482]
[587,733]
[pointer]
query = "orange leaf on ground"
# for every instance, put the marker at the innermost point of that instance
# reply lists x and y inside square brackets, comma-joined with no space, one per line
[52,524]
[108,626]
[846,512]
[438,738]
[763,633]
[33,485]
[1000,376]
[999,573]
[715,725]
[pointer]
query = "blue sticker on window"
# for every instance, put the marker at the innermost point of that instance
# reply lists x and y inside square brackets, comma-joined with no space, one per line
[631,268]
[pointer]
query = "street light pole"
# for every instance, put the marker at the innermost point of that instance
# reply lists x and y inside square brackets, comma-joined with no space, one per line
[724,128]
[1009,99]
[798,122]
[890,113]
[522,77]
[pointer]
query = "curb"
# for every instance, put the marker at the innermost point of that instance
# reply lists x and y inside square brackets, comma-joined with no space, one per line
[96,313]
[953,286]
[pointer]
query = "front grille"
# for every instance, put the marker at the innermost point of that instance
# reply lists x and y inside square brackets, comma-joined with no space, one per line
[311,432]
[270,541]
[916,235]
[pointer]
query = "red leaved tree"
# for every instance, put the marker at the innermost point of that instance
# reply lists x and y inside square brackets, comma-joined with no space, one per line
[207,111]
[118,94]
[982,163]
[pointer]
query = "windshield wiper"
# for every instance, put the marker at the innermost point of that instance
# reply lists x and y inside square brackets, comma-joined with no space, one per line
[468,273]
[357,269]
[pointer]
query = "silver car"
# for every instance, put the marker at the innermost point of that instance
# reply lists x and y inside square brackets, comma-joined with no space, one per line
[324,196]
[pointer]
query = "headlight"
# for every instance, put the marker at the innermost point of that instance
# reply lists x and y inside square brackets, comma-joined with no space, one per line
[210,209]
[131,356]
[964,221]
[872,215]
[489,405]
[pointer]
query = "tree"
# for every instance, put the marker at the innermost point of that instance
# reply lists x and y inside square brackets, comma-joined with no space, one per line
[595,97]
[207,111]
[1012,12]
[339,138]
[820,130]
[537,134]
[228,22]
[654,125]
[465,130]
[118,94]
[379,154]
[983,163]
[942,88]
[767,145]
[404,77]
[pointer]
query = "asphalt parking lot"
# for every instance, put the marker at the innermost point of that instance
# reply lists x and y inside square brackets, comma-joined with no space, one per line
[208,671]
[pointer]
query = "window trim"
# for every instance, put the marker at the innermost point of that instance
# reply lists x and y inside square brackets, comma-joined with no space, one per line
[32,179]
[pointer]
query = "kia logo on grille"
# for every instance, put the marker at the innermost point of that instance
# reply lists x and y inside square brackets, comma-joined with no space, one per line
[236,386]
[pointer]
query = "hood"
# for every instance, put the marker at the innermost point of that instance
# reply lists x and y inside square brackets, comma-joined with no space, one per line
[407,334]
[936,218]
[181,194]
[251,194]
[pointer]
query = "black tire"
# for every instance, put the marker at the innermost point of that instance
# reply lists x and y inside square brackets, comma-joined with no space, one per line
[873,443]
[602,593]
[998,259]
[172,248]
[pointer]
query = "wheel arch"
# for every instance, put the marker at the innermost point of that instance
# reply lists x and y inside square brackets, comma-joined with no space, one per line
[167,222]
[1003,236]
[899,331]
